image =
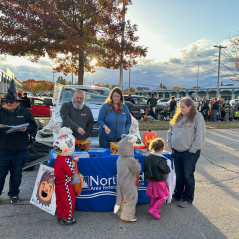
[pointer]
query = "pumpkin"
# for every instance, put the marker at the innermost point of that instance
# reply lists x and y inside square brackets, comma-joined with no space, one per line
[148,136]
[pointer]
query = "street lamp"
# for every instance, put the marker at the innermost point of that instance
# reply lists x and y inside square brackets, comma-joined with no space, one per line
[220,47]
[197,77]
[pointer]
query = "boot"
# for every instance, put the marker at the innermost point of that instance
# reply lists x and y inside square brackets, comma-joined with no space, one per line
[154,210]
[152,201]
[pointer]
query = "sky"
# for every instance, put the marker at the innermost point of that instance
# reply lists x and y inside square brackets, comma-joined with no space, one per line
[175,32]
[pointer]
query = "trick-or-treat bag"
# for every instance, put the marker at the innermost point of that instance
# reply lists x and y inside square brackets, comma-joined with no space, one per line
[137,180]
[77,180]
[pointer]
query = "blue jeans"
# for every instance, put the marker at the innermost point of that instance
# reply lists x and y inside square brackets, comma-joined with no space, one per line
[104,143]
[12,161]
[215,115]
[185,164]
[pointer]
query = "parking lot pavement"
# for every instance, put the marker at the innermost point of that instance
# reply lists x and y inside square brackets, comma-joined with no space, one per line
[214,213]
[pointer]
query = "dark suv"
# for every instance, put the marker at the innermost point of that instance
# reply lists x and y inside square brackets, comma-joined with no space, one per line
[141,103]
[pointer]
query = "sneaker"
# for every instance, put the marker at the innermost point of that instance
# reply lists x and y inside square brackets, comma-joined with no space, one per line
[64,221]
[15,199]
[184,204]
[58,219]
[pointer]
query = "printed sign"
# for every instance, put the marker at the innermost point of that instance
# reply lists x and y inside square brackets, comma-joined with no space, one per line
[43,195]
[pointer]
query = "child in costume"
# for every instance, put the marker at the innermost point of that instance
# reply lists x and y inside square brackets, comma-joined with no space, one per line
[64,169]
[127,169]
[155,171]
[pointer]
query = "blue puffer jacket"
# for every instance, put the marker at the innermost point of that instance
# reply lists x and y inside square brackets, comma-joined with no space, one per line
[118,123]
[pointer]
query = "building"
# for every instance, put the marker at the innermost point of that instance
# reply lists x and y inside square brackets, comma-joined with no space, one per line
[5,79]
[226,92]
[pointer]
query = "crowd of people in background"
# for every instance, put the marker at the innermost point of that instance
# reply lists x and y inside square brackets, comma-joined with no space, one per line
[214,110]
[217,109]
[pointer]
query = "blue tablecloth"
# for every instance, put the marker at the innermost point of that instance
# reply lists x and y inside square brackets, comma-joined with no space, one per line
[99,188]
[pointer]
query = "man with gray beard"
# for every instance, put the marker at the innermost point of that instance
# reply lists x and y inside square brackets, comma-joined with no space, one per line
[77,116]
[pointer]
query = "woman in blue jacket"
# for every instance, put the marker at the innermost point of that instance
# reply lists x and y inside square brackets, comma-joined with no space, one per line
[114,118]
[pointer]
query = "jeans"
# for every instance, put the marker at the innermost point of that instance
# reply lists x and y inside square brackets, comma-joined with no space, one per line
[12,161]
[185,164]
[215,115]
[130,108]
[104,143]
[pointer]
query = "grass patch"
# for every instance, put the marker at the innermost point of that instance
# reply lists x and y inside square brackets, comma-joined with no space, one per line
[164,125]
[222,125]
[155,125]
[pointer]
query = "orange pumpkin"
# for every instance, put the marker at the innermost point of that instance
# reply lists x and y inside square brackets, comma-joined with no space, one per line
[148,136]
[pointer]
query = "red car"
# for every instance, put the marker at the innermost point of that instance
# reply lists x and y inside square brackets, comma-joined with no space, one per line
[38,108]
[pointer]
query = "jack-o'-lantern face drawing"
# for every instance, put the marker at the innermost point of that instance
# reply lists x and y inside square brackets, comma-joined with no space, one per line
[45,189]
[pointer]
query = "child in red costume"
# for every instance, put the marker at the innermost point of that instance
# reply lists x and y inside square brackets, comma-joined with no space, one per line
[64,169]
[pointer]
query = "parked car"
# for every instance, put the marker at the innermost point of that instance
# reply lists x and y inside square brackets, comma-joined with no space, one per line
[163,100]
[141,103]
[38,108]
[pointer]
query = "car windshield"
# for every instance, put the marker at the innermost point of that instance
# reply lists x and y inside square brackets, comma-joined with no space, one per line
[92,96]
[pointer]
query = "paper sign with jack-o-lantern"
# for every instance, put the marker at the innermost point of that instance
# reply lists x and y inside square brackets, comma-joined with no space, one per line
[43,195]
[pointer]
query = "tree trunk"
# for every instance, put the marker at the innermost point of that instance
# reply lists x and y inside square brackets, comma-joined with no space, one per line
[81,70]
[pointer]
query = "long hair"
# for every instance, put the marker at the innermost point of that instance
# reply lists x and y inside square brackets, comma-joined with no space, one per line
[178,115]
[109,100]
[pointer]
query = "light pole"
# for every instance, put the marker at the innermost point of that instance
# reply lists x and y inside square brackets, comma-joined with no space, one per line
[122,49]
[197,77]
[218,74]
[129,82]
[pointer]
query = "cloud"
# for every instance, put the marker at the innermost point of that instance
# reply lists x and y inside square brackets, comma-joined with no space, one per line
[180,68]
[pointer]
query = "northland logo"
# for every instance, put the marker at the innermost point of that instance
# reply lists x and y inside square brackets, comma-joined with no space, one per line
[97,183]
[96,186]
[85,185]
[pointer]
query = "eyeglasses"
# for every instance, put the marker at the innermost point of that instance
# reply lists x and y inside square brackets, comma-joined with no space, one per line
[9,101]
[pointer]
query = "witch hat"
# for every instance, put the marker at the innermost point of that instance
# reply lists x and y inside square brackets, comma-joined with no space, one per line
[11,92]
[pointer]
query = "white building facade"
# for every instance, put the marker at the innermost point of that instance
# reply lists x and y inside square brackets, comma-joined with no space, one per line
[225,92]
[5,79]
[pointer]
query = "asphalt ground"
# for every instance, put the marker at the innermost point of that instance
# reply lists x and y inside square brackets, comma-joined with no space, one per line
[214,213]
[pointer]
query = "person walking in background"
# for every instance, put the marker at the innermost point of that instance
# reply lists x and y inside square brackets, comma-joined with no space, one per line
[14,146]
[198,104]
[231,110]
[205,109]
[215,109]
[185,138]
[152,102]
[173,104]
[155,171]
[25,102]
[236,111]
[210,114]
[131,101]
[222,110]
[114,118]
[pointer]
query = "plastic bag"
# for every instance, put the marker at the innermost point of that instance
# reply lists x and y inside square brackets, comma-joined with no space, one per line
[77,180]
